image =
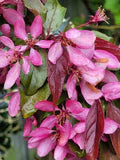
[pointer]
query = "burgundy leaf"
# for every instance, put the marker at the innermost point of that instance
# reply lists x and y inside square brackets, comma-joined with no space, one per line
[94,130]
[108,46]
[56,76]
[114,114]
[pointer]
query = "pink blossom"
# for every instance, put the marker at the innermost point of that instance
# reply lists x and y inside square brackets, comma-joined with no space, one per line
[35,31]
[12,58]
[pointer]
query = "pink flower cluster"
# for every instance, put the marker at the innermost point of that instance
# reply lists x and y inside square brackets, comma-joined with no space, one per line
[90,70]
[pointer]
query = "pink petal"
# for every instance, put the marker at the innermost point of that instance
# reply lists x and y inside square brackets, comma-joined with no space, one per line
[5,28]
[82,38]
[33,142]
[111,90]
[55,52]
[20,8]
[89,94]
[12,76]
[79,139]
[45,106]
[35,57]
[27,127]
[7,42]
[49,122]
[3,61]
[78,58]
[41,132]
[71,87]
[11,16]
[14,104]
[65,132]
[36,27]
[44,43]
[46,145]
[60,153]
[93,76]
[110,126]
[74,106]
[19,30]
[82,115]
[89,52]
[26,64]
[76,110]
[79,127]
[112,63]
[109,77]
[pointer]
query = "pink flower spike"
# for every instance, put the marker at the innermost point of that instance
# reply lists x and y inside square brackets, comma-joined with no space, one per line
[11,16]
[46,145]
[110,126]
[45,106]
[44,43]
[5,28]
[19,30]
[82,38]
[7,42]
[12,76]
[60,153]
[36,27]
[14,104]
[55,52]
[27,127]
[26,64]
[35,57]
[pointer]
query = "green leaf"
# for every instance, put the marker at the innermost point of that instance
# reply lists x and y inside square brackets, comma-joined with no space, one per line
[76,150]
[36,77]
[27,102]
[36,7]
[103,36]
[55,15]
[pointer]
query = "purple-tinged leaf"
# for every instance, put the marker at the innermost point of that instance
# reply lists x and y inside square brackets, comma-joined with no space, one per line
[94,130]
[107,46]
[56,76]
[114,114]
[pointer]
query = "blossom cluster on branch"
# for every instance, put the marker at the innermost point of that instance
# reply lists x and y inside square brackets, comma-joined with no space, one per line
[81,73]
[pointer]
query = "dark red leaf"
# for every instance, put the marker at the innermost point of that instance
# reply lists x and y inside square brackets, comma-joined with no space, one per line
[108,46]
[56,76]
[94,130]
[114,114]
